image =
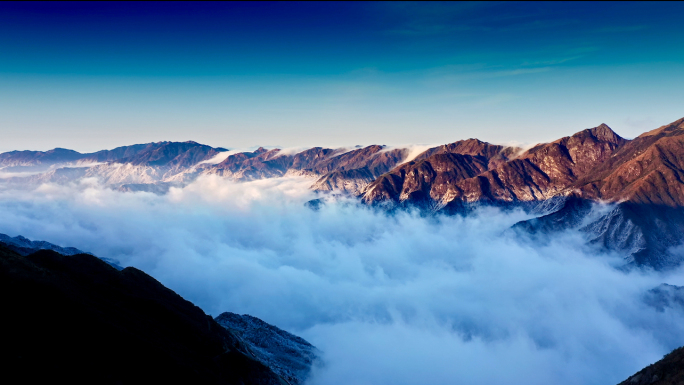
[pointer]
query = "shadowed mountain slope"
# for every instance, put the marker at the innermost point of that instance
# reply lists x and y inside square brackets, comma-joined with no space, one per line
[76,319]
[18,161]
[646,234]
[259,164]
[354,170]
[25,246]
[337,169]
[289,356]
[121,152]
[668,371]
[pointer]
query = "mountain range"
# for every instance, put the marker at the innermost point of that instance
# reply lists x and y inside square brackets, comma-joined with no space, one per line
[625,195]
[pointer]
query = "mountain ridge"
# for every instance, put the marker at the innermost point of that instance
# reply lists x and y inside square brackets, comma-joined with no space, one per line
[641,176]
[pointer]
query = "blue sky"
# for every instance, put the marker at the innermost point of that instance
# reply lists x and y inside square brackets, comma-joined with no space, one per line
[100,75]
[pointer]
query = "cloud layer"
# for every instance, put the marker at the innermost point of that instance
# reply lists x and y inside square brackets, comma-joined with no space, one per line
[389,299]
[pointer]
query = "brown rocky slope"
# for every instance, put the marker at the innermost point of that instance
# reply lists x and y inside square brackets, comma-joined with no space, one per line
[640,181]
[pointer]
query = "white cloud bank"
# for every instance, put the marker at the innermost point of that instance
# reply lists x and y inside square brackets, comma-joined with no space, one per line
[398,299]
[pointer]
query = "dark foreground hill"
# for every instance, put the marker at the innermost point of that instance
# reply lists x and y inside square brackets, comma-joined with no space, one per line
[668,371]
[75,319]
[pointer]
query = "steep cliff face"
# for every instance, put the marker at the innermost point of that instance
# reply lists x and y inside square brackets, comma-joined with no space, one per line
[645,234]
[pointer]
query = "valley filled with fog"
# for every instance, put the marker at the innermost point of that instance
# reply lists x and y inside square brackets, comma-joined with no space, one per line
[389,298]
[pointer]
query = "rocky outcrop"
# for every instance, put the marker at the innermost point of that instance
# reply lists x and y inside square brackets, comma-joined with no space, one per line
[426,180]
[542,171]
[291,357]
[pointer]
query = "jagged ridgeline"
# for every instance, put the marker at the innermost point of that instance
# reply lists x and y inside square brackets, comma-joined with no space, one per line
[76,319]
[625,195]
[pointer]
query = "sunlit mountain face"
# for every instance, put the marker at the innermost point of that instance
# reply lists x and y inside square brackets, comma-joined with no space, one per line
[336,193]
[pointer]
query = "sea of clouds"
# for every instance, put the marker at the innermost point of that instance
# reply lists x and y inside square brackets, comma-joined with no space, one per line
[388,298]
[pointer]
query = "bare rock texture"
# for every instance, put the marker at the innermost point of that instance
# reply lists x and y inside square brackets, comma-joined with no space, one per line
[486,172]
[291,357]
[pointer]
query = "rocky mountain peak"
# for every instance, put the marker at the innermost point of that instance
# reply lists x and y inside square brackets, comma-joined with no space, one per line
[606,134]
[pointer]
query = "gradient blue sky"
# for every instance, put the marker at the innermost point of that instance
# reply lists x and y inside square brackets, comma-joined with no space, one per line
[100,75]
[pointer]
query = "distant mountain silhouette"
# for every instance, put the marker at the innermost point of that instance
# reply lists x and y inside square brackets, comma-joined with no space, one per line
[76,319]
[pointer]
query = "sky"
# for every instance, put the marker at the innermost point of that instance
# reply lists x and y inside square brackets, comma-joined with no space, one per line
[100,75]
